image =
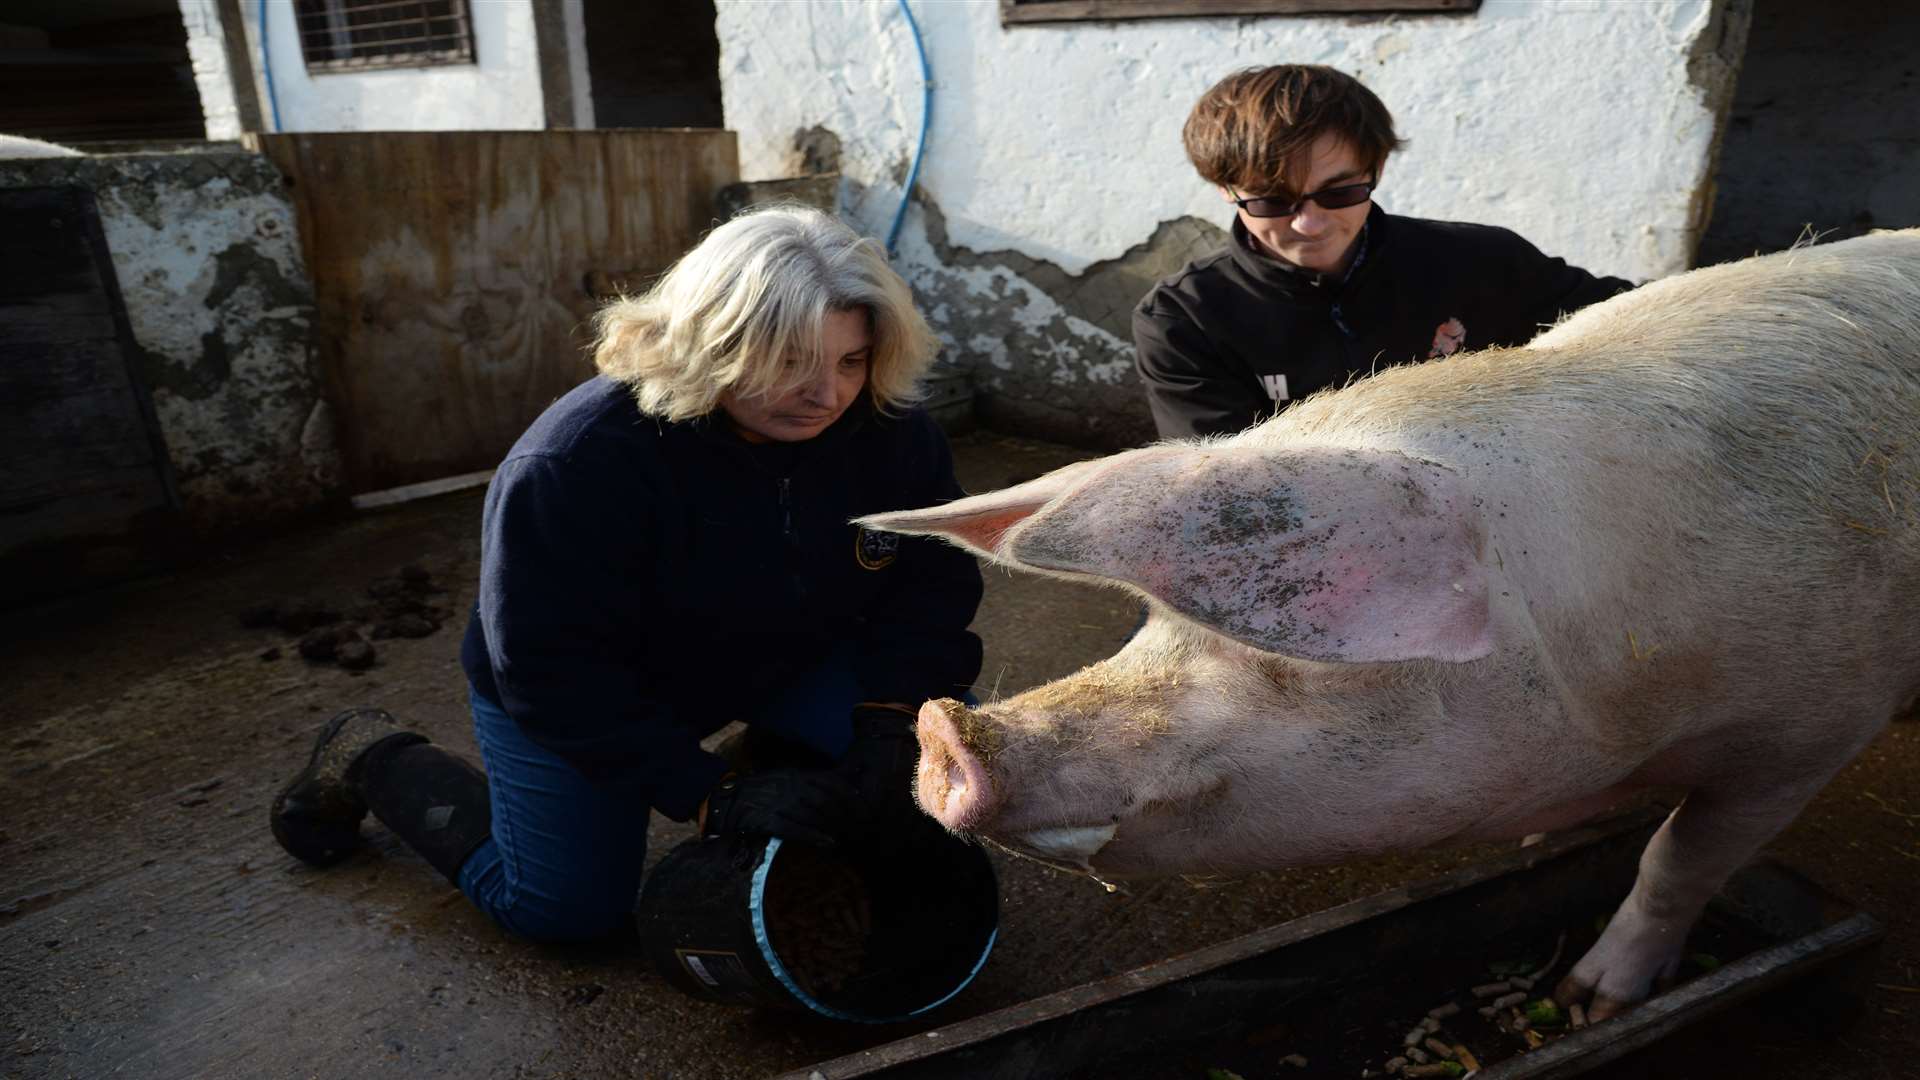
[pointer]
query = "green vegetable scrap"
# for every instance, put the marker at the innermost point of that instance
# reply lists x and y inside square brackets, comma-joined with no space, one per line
[1223,1074]
[1545,1012]
[1705,961]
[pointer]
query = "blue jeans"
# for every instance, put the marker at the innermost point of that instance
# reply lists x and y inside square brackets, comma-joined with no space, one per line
[563,863]
[564,860]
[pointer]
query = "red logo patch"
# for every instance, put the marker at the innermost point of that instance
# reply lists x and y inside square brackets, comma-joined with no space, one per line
[1448,337]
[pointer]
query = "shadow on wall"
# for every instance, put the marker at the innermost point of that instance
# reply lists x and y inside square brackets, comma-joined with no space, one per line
[653,65]
[1823,135]
[96,72]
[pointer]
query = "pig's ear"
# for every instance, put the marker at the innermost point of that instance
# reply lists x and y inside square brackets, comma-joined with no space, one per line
[980,523]
[1320,554]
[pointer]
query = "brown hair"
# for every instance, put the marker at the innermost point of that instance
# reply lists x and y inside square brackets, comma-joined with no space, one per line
[1251,131]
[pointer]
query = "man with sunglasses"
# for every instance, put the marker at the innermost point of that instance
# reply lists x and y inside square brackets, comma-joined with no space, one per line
[1319,285]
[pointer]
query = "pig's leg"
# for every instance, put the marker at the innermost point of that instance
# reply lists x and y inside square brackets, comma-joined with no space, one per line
[1701,844]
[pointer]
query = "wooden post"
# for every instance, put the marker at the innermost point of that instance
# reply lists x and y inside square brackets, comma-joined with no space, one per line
[240,70]
[556,68]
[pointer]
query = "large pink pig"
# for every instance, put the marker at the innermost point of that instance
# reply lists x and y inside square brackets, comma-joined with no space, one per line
[1673,541]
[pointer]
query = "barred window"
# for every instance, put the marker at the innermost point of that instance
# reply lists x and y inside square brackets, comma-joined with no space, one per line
[352,35]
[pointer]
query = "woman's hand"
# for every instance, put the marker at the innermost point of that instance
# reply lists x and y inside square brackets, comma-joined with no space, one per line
[812,806]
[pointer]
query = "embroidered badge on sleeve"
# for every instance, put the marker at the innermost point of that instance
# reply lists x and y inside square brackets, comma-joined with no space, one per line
[875,550]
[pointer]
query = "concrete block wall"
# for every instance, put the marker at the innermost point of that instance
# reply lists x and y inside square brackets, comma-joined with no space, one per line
[209,263]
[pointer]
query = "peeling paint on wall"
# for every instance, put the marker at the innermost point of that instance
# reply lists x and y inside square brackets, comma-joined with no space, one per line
[1051,352]
[205,250]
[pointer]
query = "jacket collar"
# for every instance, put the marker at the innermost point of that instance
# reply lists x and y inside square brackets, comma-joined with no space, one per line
[1302,284]
[714,427]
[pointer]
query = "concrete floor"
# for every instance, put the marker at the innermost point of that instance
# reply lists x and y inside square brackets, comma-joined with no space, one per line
[150,927]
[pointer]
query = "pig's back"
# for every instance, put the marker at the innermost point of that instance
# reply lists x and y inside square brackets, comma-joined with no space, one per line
[1726,461]
[1801,331]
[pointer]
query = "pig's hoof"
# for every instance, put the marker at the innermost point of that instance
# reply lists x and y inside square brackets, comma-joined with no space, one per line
[1571,991]
[1634,955]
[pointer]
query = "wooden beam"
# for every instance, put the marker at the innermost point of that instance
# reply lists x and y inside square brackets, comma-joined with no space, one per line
[246,96]
[556,68]
[1038,11]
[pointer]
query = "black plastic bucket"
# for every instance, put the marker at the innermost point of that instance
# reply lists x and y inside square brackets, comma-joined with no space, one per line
[870,937]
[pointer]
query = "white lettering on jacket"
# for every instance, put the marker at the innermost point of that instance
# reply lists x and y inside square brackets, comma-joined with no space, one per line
[1276,386]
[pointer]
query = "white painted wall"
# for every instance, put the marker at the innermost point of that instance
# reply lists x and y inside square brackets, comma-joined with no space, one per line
[500,92]
[206,48]
[1570,121]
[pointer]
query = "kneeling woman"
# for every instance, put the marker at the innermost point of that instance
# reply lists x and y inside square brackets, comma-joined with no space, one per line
[666,550]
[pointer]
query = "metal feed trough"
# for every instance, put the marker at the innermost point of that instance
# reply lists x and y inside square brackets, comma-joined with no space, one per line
[1367,971]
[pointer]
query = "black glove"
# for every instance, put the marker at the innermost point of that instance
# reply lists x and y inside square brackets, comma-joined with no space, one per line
[880,765]
[811,806]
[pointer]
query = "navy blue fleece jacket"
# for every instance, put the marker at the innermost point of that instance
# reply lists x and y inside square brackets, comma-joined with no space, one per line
[644,582]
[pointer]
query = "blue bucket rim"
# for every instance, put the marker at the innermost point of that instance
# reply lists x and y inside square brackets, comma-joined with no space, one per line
[756,908]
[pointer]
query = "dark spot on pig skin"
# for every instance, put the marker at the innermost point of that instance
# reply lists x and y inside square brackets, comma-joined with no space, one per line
[1351,749]
[1417,498]
[1238,519]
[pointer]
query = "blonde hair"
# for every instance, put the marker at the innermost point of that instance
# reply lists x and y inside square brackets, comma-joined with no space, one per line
[751,296]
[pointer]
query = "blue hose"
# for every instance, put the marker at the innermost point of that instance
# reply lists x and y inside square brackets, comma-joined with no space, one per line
[926,121]
[266,67]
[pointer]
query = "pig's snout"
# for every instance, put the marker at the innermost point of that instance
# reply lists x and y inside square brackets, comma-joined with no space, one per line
[952,783]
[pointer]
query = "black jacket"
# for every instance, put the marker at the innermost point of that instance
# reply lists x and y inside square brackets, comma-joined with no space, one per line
[642,583]
[1235,336]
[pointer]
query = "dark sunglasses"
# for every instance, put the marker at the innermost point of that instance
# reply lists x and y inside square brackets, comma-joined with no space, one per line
[1333,198]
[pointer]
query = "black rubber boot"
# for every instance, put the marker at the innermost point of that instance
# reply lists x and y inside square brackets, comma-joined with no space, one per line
[317,816]
[437,802]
